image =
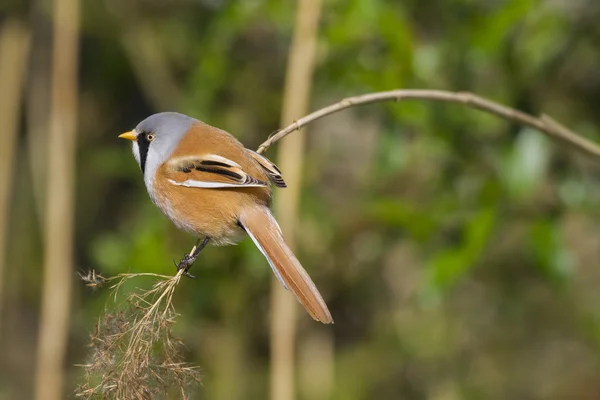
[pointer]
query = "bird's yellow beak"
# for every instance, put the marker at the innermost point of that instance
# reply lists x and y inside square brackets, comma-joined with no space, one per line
[128,135]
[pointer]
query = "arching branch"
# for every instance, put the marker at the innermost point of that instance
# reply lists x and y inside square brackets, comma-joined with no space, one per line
[544,123]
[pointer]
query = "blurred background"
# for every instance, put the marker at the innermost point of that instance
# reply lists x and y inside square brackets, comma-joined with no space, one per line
[459,253]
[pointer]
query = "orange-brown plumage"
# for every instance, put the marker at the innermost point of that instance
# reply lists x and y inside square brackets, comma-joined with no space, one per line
[211,186]
[209,212]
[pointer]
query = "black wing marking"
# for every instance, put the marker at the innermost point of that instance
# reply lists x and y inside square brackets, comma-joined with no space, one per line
[271,169]
[211,163]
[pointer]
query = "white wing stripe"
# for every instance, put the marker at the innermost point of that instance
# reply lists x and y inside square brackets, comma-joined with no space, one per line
[208,157]
[213,185]
[214,157]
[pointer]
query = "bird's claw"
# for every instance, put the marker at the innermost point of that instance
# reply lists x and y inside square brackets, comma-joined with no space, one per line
[188,260]
[185,273]
[185,264]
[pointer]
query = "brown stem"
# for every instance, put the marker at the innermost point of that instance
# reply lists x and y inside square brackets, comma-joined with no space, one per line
[543,124]
[59,213]
[291,158]
[14,49]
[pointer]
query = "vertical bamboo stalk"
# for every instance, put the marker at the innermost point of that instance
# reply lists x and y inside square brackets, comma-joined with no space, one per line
[38,103]
[58,227]
[295,103]
[14,50]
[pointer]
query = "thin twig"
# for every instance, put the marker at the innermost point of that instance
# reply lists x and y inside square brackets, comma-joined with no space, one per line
[543,124]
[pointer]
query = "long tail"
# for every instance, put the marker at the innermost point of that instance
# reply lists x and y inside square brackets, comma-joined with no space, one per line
[262,227]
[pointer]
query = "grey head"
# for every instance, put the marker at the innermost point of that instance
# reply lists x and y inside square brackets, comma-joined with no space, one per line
[155,138]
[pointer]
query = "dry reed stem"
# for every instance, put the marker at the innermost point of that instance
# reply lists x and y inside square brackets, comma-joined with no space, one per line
[544,123]
[53,333]
[14,51]
[134,353]
[298,84]
[37,105]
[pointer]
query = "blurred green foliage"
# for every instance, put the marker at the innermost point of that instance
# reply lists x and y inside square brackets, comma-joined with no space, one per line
[459,253]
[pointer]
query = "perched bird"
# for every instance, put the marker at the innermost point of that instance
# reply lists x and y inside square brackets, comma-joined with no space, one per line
[208,184]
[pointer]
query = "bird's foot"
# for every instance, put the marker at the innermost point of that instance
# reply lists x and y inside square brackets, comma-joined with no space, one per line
[188,260]
[185,264]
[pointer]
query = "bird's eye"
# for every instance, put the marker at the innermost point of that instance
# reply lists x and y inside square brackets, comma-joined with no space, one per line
[150,137]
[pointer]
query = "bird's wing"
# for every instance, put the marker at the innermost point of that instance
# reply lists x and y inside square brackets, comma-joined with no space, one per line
[209,171]
[270,169]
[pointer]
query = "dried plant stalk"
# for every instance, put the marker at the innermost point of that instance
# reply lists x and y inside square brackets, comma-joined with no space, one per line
[14,51]
[134,352]
[53,333]
[544,123]
[298,85]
